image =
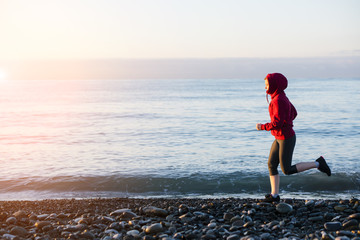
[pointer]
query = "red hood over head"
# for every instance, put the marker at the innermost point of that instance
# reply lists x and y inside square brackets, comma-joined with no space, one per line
[277,83]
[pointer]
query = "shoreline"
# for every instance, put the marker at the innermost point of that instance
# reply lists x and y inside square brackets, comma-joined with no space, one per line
[179,218]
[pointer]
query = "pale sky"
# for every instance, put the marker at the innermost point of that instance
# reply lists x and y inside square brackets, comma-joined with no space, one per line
[98,29]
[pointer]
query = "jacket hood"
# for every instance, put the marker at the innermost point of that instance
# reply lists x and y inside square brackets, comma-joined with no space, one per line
[277,83]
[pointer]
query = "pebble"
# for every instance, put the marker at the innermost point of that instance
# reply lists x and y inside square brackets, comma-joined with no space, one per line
[228,216]
[154,211]
[42,216]
[41,224]
[169,219]
[332,226]
[20,214]
[19,231]
[340,208]
[284,208]
[87,235]
[119,212]
[265,236]
[7,236]
[342,238]
[211,225]
[124,214]
[316,218]
[351,224]
[11,220]
[345,233]
[233,237]
[154,228]
[133,233]
[354,216]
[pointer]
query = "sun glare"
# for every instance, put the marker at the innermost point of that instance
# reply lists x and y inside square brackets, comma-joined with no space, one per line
[2,75]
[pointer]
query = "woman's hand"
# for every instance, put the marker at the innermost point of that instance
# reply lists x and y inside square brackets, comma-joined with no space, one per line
[258,126]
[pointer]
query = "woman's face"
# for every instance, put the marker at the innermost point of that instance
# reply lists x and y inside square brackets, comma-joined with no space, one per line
[266,84]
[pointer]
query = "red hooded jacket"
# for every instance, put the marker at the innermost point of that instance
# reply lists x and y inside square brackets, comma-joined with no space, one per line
[282,112]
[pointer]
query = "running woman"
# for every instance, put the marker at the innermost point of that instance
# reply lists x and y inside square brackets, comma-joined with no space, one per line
[282,113]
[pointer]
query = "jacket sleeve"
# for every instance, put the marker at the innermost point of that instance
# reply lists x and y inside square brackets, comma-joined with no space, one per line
[277,118]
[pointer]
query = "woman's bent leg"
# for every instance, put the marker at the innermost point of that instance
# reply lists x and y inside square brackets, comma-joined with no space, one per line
[303,166]
[286,149]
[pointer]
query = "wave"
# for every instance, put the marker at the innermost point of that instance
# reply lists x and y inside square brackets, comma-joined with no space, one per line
[199,184]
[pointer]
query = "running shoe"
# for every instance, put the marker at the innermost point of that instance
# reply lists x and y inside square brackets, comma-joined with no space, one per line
[270,198]
[323,167]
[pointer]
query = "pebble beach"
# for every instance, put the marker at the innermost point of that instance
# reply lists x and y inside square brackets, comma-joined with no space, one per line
[165,219]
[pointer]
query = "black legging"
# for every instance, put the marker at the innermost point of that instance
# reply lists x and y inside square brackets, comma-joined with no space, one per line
[281,152]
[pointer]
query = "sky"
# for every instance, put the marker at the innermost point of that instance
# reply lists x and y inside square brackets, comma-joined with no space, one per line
[49,31]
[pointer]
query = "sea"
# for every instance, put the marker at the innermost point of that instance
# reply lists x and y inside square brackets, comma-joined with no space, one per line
[171,138]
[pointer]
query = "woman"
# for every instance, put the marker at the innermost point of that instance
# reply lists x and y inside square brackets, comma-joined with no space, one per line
[282,113]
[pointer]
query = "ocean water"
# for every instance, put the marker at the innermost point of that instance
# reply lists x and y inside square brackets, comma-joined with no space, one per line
[171,138]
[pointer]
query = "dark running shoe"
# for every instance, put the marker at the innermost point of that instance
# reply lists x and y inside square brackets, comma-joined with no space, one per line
[269,198]
[323,167]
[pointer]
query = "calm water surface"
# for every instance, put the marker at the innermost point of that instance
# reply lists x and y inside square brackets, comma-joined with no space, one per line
[91,138]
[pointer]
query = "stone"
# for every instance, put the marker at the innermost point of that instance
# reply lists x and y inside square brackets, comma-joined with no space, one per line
[42,216]
[62,215]
[351,224]
[332,226]
[316,218]
[110,238]
[117,236]
[133,233]
[209,237]
[127,216]
[284,208]
[111,231]
[7,236]
[19,231]
[233,237]
[52,216]
[107,219]
[325,236]
[200,215]
[319,203]
[342,238]
[238,223]
[228,216]
[236,218]
[183,208]
[74,228]
[354,216]
[248,224]
[340,208]
[87,235]
[186,217]
[20,214]
[120,212]
[212,225]
[154,228]
[265,236]
[11,220]
[345,233]
[309,203]
[41,224]
[154,211]
[178,235]
[315,214]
